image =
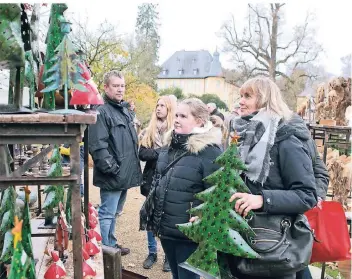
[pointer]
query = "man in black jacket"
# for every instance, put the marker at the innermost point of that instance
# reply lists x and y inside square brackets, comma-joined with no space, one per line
[113,144]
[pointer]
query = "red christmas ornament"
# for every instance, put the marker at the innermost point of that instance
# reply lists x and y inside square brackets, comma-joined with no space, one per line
[95,234]
[93,221]
[88,270]
[91,96]
[56,270]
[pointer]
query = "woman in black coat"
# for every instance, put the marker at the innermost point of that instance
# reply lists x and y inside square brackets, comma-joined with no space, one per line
[280,170]
[151,142]
[195,138]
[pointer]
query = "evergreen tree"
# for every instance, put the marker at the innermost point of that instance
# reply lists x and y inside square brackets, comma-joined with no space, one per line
[148,42]
[219,227]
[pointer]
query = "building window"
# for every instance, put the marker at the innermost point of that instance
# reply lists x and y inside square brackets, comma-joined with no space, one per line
[218,84]
[165,72]
[180,71]
[195,71]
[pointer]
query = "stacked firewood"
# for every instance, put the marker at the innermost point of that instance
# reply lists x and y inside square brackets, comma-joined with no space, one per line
[340,172]
[338,100]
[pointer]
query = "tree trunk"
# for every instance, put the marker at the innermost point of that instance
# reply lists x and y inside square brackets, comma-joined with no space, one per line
[273,42]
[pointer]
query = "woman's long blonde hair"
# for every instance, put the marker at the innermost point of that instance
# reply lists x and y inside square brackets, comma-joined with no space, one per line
[148,135]
[268,94]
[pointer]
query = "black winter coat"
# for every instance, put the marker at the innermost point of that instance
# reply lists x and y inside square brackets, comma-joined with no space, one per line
[150,156]
[113,145]
[297,127]
[290,187]
[176,190]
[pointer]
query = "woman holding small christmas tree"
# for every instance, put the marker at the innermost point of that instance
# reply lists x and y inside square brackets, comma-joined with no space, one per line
[279,168]
[151,142]
[191,147]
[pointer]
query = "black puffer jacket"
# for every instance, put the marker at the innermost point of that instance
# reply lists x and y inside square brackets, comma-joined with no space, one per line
[290,187]
[297,127]
[150,156]
[113,145]
[176,190]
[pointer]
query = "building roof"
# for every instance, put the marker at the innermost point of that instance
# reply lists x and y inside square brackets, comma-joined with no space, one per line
[192,64]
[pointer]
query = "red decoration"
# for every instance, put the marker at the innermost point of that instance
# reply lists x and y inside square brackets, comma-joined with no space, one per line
[95,234]
[330,229]
[56,270]
[88,270]
[62,233]
[91,96]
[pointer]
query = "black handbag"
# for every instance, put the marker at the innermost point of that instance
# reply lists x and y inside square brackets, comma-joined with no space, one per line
[283,242]
[147,210]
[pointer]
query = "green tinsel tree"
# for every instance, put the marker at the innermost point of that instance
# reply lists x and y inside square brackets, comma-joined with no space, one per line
[7,213]
[54,38]
[55,193]
[219,227]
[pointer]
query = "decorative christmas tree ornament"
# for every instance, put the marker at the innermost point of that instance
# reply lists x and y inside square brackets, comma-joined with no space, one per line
[95,234]
[53,39]
[89,271]
[92,246]
[65,72]
[20,263]
[56,270]
[219,227]
[93,220]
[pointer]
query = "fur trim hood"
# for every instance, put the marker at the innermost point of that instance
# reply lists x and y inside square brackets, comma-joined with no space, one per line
[200,138]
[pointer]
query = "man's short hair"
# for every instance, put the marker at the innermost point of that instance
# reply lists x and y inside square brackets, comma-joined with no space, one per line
[113,73]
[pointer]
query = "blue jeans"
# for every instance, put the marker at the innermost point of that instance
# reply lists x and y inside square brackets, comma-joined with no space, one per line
[122,201]
[152,244]
[304,274]
[111,202]
[176,253]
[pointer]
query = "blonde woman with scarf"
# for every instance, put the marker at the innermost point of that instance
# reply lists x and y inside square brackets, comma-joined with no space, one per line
[279,172]
[150,144]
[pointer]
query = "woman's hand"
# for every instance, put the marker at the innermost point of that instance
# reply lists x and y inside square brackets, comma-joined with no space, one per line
[193,219]
[246,202]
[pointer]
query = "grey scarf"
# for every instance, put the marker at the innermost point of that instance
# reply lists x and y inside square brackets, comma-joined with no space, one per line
[257,134]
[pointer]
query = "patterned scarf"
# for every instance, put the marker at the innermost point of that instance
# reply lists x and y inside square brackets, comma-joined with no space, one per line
[257,132]
[161,127]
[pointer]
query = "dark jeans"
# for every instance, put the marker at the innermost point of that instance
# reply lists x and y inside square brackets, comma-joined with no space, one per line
[178,252]
[304,274]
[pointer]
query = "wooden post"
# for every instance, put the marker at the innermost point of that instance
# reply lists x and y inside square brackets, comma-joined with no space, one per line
[112,262]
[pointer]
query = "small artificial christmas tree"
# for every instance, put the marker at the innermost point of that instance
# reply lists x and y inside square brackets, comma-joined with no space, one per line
[65,73]
[27,238]
[219,227]
[55,194]
[21,264]
[54,38]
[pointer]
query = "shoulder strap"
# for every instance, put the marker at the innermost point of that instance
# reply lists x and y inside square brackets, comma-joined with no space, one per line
[173,163]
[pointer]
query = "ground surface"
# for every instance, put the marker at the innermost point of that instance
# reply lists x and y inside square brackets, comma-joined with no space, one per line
[127,229]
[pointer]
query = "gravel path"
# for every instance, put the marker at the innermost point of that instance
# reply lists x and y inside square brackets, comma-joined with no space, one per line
[129,236]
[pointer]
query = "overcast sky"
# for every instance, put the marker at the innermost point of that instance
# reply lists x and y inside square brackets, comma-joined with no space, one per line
[193,24]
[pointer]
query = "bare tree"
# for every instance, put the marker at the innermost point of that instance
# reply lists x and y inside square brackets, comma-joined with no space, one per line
[264,48]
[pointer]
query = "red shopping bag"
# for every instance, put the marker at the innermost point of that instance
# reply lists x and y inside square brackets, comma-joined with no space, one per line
[330,229]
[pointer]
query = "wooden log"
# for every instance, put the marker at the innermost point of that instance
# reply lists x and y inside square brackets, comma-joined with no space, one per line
[112,262]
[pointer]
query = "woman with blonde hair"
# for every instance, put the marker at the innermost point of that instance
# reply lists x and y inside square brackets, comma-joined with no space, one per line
[275,149]
[151,140]
[190,148]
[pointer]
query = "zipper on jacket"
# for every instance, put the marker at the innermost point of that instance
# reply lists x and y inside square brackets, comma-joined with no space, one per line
[190,214]
[265,229]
